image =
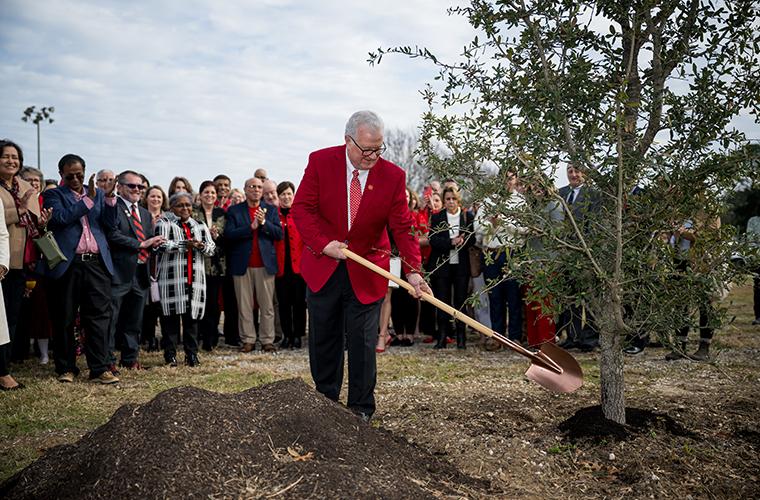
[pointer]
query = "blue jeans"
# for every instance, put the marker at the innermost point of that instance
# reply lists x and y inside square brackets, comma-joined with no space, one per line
[503,298]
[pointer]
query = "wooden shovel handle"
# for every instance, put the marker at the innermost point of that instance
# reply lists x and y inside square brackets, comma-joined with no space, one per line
[455,313]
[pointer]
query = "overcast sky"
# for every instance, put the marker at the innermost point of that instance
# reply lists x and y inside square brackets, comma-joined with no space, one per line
[197,88]
[201,87]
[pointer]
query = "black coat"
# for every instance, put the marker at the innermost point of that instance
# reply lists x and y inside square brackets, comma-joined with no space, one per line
[125,247]
[440,243]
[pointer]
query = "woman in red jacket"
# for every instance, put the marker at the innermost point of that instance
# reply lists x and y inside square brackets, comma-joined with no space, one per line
[289,285]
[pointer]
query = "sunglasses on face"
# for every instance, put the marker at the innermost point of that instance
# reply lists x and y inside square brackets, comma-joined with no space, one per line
[139,187]
[70,177]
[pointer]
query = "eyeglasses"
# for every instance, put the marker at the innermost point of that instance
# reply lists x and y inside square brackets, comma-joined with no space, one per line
[70,177]
[133,186]
[368,152]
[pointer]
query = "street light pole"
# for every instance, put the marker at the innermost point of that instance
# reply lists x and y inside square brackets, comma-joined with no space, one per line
[35,116]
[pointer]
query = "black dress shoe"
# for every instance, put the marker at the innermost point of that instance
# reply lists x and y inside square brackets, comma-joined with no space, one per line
[192,360]
[633,350]
[171,361]
[296,343]
[286,342]
[569,344]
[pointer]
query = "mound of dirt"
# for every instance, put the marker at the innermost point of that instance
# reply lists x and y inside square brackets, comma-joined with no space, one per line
[590,422]
[281,439]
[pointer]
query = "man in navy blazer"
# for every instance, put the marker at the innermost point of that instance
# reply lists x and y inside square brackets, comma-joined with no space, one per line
[581,200]
[131,240]
[79,221]
[250,231]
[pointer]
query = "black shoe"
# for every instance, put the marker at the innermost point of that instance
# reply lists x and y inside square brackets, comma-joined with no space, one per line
[756,321]
[286,342]
[207,347]
[192,360]
[569,344]
[171,361]
[297,343]
[633,350]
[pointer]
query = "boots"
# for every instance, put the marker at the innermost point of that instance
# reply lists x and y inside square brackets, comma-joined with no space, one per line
[441,343]
[461,340]
[677,353]
[703,353]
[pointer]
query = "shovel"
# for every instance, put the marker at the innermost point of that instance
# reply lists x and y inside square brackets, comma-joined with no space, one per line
[550,367]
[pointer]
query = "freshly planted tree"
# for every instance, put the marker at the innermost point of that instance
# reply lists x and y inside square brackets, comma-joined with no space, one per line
[639,96]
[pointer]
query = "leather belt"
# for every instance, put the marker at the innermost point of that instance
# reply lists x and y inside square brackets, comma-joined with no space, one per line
[86,257]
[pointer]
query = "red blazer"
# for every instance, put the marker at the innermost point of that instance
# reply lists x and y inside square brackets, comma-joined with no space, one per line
[320,210]
[294,241]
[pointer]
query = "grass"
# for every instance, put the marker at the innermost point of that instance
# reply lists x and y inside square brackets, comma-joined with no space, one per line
[48,413]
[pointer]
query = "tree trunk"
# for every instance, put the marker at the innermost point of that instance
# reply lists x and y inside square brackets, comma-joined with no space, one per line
[611,375]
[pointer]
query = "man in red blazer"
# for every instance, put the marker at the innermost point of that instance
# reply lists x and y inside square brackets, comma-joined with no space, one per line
[351,197]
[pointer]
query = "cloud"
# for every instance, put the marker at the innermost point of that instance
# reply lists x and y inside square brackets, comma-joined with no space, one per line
[198,88]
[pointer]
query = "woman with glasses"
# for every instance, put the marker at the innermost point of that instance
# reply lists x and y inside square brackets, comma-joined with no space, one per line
[182,277]
[34,325]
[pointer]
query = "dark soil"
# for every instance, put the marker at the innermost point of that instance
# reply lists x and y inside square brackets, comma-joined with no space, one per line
[590,423]
[282,439]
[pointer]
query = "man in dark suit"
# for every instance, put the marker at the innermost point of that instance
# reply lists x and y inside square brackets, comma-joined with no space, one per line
[250,231]
[130,240]
[581,201]
[83,282]
[348,196]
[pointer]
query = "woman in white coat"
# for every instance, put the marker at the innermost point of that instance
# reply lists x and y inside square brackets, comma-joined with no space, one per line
[7,382]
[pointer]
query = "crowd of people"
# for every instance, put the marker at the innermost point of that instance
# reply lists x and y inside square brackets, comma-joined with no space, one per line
[111,256]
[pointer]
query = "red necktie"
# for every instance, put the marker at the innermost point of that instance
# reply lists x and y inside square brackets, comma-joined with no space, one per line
[189,237]
[355,194]
[142,257]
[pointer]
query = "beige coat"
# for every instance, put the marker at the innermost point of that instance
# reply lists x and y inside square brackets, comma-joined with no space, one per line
[17,233]
[4,261]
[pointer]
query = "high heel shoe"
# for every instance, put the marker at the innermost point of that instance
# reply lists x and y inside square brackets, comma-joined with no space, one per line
[383,342]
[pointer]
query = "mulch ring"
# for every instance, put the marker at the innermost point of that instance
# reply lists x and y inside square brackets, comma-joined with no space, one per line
[282,439]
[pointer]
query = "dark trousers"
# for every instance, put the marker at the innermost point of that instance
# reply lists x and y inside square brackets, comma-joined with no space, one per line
[579,334]
[404,309]
[291,297]
[13,293]
[151,314]
[756,293]
[209,325]
[503,298]
[128,304]
[706,317]
[170,332]
[86,287]
[334,310]
[457,279]
[231,329]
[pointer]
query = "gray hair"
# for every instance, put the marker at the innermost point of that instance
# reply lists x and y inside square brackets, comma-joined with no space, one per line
[104,171]
[174,199]
[32,171]
[366,118]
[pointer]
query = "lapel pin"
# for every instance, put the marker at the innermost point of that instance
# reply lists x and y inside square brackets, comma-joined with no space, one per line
[370,187]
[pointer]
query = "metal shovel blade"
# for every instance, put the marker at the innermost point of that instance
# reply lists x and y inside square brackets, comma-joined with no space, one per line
[569,380]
